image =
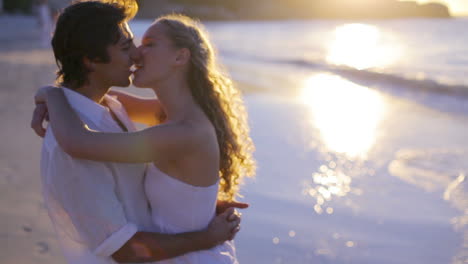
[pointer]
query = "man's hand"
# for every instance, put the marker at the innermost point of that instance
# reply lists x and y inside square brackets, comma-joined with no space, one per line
[39,115]
[223,227]
[222,206]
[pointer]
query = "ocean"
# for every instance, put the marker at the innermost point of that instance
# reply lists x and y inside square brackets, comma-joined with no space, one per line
[361,134]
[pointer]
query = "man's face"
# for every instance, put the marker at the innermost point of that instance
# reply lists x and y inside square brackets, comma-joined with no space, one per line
[117,71]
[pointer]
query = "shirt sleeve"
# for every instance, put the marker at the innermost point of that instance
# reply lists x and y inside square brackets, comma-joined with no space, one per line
[86,204]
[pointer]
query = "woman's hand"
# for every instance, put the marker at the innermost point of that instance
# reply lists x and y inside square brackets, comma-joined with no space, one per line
[41,95]
[40,113]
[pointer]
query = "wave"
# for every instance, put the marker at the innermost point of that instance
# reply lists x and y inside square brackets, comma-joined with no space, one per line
[366,77]
[442,96]
[441,171]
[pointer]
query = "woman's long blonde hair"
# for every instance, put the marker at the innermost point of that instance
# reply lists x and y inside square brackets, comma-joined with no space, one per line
[220,100]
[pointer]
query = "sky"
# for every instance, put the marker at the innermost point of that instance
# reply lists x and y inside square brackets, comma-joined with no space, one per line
[457,7]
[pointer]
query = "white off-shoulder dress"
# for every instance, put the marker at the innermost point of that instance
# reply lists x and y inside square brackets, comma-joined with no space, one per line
[178,207]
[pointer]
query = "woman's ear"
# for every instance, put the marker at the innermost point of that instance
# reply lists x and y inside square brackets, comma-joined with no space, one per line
[182,56]
[89,64]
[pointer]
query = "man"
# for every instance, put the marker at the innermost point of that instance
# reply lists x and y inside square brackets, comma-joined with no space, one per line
[99,210]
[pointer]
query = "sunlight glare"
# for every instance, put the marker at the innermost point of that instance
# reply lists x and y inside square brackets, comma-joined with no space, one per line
[346,114]
[361,46]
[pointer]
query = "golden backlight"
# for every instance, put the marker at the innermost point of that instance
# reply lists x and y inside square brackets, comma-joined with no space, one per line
[346,114]
[361,46]
[457,7]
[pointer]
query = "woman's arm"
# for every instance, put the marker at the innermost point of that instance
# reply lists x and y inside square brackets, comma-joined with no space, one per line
[145,110]
[152,144]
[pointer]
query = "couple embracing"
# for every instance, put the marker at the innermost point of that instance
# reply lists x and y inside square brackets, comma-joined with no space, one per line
[164,193]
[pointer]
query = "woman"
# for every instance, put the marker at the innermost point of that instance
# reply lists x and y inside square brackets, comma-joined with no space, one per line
[200,151]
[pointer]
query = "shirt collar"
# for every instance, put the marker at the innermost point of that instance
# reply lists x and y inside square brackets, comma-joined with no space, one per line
[85,106]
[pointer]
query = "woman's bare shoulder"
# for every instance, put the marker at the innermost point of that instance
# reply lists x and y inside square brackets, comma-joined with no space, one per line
[186,135]
[196,161]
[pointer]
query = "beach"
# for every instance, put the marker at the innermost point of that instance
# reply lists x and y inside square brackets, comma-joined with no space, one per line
[349,171]
[27,235]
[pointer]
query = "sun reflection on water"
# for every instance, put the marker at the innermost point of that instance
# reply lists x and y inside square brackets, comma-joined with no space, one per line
[328,183]
[346,114]
[347,117]
[362,46]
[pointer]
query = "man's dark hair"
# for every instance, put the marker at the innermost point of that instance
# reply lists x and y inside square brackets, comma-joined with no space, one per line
[85,29]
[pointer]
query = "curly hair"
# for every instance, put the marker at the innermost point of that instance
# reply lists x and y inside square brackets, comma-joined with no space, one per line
[222,103]
[87,29]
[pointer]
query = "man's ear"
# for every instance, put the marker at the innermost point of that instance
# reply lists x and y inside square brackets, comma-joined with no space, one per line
[182,56]
[89,64]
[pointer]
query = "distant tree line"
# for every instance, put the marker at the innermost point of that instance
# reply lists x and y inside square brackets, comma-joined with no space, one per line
[23,6]
[295,9]
[27,6]
[272,9]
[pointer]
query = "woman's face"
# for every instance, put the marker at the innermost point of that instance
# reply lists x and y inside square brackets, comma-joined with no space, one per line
[155,58]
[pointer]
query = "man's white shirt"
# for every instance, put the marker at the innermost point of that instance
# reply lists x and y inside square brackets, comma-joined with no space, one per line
[95,207]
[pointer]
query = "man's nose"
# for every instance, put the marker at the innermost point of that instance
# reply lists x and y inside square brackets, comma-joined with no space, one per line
[135,53]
